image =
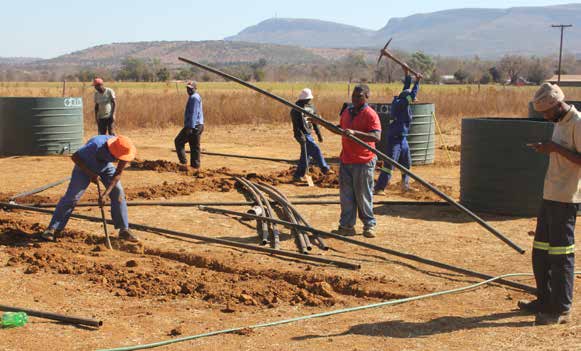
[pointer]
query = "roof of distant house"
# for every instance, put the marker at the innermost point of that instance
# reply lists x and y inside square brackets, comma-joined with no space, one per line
[566,78]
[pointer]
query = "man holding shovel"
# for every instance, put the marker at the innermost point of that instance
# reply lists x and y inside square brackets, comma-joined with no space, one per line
[302,129]
[94,161]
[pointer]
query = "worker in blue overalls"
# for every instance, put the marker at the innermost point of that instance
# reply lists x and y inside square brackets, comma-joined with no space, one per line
[93,161]
[397,132]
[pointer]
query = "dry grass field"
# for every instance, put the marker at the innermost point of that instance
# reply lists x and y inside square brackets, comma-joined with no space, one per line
[160,105]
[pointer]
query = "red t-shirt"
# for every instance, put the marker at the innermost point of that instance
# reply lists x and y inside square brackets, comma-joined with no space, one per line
[366,121]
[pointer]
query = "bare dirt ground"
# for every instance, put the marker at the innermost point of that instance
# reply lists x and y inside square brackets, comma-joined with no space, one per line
[167,287]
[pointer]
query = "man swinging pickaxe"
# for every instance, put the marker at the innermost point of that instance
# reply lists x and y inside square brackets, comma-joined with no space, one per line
[384,52]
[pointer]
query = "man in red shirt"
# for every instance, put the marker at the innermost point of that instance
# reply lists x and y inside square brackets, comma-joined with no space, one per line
[358,164]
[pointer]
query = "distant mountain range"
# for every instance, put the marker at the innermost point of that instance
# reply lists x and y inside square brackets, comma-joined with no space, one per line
[487,33]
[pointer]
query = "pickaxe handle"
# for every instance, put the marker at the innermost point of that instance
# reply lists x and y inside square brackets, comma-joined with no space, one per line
[398,61]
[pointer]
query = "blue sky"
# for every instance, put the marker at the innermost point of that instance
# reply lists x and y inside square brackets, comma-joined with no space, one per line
[48,29]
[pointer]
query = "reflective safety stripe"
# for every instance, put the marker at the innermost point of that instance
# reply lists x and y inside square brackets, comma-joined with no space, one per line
[541,245]
[386,170]
[561,250]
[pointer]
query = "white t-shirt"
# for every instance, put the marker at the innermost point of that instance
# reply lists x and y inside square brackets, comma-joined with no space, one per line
[104,102]
[563,176]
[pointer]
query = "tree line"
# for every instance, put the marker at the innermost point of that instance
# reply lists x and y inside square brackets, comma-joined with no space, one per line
[355,67]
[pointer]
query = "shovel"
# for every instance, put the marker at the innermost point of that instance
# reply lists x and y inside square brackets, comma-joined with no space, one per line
[107,241]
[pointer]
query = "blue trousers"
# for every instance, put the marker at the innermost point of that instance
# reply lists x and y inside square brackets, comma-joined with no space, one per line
[310,149]
[554,255]
[77,186]
[356,194]
[399,151]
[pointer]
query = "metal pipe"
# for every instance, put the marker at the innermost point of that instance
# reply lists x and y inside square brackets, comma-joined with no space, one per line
[157,203]
[250,157]
[248,203]
[261,226]
[379,248]
[54,316]
[363,144]
[224,242]
[269,211]
[302,240]
[39,189]
[281,198]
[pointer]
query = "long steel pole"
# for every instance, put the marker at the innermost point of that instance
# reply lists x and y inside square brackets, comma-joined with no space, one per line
[363,144]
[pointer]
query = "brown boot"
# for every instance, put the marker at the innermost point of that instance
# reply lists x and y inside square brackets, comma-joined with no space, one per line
[126,234]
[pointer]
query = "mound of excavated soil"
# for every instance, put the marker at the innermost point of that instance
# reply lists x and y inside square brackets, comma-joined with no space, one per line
[147,272]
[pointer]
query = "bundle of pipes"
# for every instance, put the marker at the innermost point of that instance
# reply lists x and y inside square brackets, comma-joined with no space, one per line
[263,209]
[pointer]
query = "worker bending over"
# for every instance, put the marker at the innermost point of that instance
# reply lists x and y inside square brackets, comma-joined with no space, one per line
[94,161]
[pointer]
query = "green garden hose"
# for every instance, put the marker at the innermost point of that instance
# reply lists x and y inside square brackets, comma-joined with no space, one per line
[317,315]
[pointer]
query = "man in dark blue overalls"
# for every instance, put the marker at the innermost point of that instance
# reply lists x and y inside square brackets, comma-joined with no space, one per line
[92,161]
[397,144]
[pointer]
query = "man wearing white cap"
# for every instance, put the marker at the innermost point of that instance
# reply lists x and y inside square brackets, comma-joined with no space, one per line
[554,243]
[302,128]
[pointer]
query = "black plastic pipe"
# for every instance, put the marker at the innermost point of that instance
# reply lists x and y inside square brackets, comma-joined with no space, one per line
[54,316]
[261,226]
[379,248]
[279,196]
[40,189]
[363,144]
[248,203]
[224,242]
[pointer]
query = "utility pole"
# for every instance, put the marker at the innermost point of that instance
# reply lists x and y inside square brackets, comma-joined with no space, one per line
[562,26]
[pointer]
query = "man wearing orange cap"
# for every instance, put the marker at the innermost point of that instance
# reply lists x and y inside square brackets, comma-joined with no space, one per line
[105,106]
[94,161]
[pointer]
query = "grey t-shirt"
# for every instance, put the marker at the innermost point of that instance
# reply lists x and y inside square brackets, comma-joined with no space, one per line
[103,101]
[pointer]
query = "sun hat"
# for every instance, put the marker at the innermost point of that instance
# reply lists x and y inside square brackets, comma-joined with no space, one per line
[191,84]
[122,148]
[548,96]
[97,81]
[306,94]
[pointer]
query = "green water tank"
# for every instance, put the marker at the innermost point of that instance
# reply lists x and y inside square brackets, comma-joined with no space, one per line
[498,172]
[535,114]
[40,126]
[422,134]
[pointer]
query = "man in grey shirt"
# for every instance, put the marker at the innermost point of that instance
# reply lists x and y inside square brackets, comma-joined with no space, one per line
[105,105]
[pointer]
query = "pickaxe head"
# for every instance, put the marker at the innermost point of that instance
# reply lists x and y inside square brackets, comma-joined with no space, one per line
[381,53]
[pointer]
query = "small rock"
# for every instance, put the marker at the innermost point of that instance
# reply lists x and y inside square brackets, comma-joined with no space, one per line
[176,331]
[131,263]
[31,270]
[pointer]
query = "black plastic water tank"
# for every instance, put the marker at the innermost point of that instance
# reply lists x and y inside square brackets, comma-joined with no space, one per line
[498,172]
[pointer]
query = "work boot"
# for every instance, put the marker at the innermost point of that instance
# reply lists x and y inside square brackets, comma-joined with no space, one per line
[126,234]
[328,171]
[344,231]
[544,318]
[369,232]
[48,235]
[529,306]
[379,192]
